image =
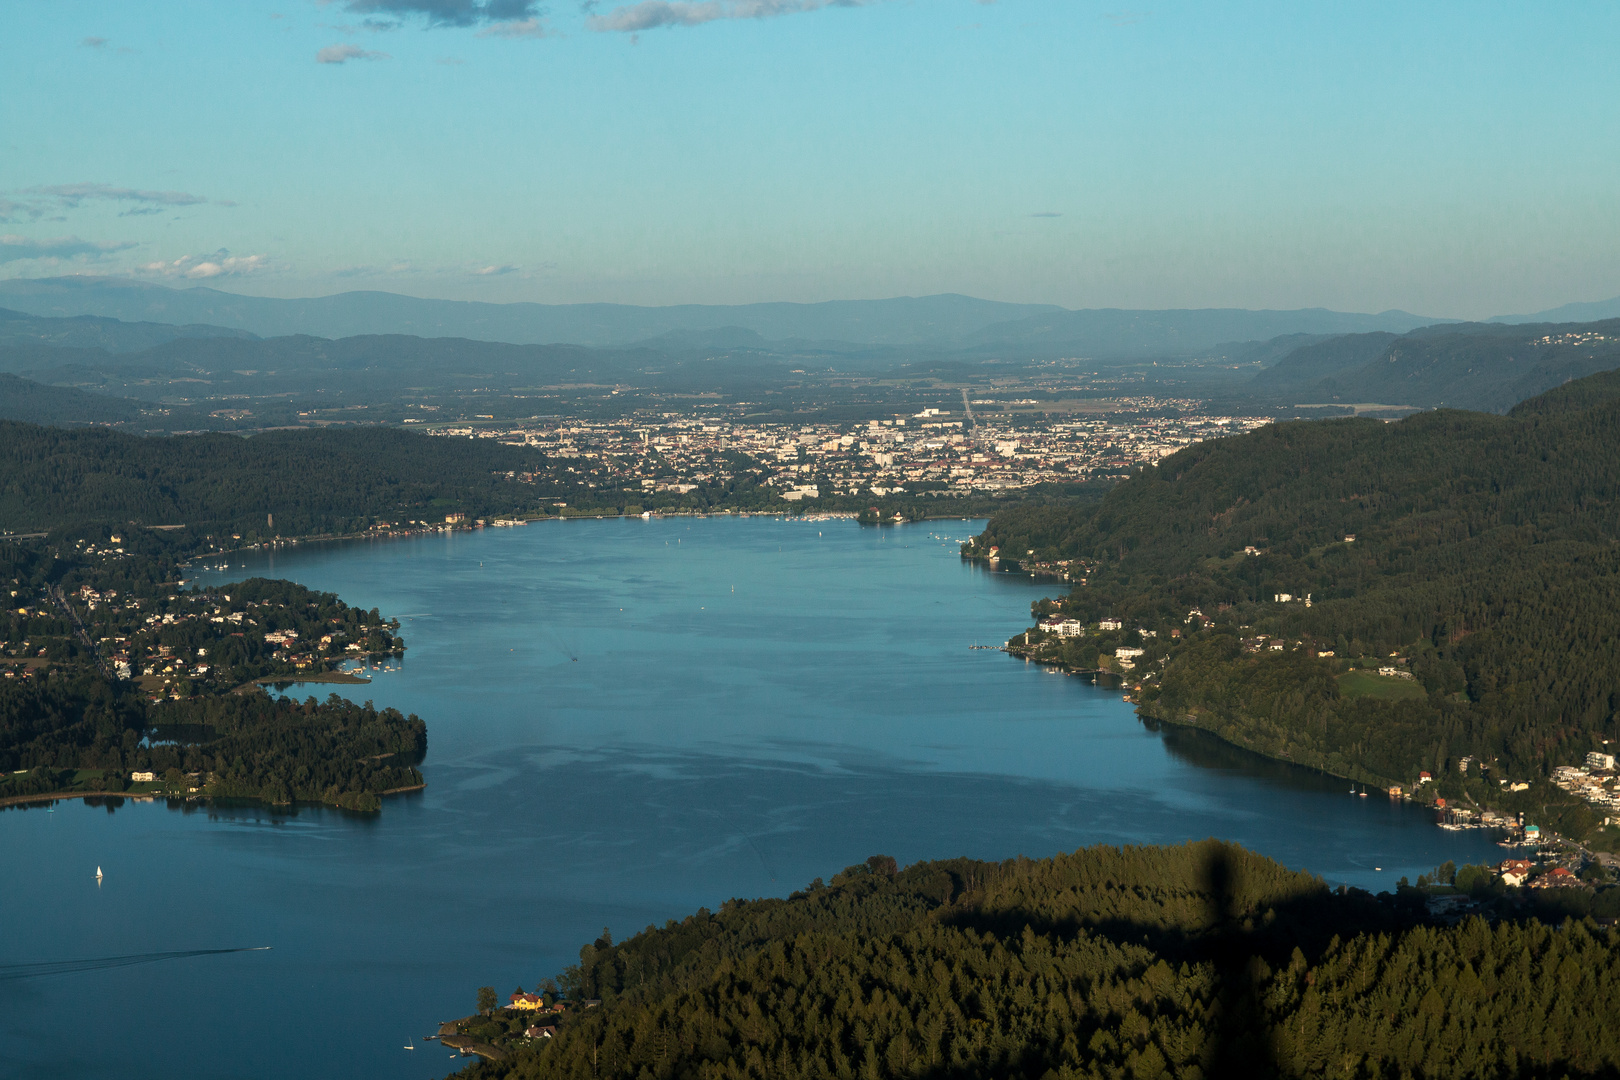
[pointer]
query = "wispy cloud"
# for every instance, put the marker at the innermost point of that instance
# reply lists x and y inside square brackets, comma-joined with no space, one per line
[72,195]
[533,28]
[652,14]
[450,12]
[366,26]
[367,270]
[342,54]
[94,42]
[15,248]
[49,201]
[198,267]
[496,271]
[11,210]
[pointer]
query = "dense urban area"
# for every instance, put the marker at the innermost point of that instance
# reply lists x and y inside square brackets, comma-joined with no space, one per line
[934,451]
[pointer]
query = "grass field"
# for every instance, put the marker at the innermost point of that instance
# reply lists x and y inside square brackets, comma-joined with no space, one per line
[1361,683]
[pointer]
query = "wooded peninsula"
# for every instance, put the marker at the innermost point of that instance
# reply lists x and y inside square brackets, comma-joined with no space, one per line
[1203,960]
[1431,604]
[119,677]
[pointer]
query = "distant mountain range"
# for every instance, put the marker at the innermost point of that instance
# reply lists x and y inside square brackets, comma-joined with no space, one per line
[945,323]
[1123,333]
[100,332]
[1583,312]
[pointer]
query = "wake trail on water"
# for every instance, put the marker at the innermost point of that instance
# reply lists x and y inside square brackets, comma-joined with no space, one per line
[11,972]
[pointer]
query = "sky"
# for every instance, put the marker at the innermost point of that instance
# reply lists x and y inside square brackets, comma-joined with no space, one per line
[1454,160]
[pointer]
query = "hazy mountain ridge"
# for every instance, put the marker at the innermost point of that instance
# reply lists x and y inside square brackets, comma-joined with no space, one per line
[1484,366]
[1179,332]
[1488,367]
[941,323]
[100,332]
[901,320]
[1312,362]
[1584,311]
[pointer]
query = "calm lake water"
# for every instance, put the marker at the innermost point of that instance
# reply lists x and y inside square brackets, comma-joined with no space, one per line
[627,720]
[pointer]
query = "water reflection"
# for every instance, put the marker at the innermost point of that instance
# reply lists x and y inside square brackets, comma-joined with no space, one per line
[627,721]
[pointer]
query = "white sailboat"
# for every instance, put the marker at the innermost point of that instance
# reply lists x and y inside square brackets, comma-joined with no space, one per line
[98,875]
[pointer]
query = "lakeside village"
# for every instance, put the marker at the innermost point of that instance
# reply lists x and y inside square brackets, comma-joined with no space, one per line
[180,644]
[934,452]
[111,619]
[1112,649]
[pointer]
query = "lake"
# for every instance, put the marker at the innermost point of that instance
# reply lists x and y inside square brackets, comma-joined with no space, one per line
[627,720]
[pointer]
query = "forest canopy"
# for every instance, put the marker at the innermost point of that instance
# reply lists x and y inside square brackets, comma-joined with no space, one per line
[1476,555]
[1202,960]
[310,482]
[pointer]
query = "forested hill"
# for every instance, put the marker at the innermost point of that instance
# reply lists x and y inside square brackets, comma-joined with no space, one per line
[23,399]
[1485,559]
[1485,366]
[93,332]
[312,482]
[1198,961]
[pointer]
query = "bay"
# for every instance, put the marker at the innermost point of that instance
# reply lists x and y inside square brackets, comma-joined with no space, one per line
[627,720]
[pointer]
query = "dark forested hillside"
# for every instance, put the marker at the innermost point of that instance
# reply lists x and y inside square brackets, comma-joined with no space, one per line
[1197,961]
[1476,556]
[309,481]
[1571,396]
[1484,366]
[1309,363]
[24,399]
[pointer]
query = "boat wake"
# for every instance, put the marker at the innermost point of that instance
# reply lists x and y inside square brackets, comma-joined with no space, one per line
[11,972]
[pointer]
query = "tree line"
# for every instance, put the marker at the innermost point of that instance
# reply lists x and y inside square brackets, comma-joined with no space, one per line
[1483,552]
[1202,960]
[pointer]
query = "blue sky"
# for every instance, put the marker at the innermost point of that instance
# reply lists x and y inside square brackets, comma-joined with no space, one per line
[1458,160]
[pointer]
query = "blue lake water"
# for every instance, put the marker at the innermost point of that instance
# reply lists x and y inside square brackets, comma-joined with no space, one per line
[627,720]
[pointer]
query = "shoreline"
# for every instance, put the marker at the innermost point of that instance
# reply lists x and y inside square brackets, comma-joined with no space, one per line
[342,678]
[154,796]
[1142,713]
[403,534]
[1148,716]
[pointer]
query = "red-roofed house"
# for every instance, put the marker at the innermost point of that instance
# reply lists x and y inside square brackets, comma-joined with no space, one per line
[1556,878]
